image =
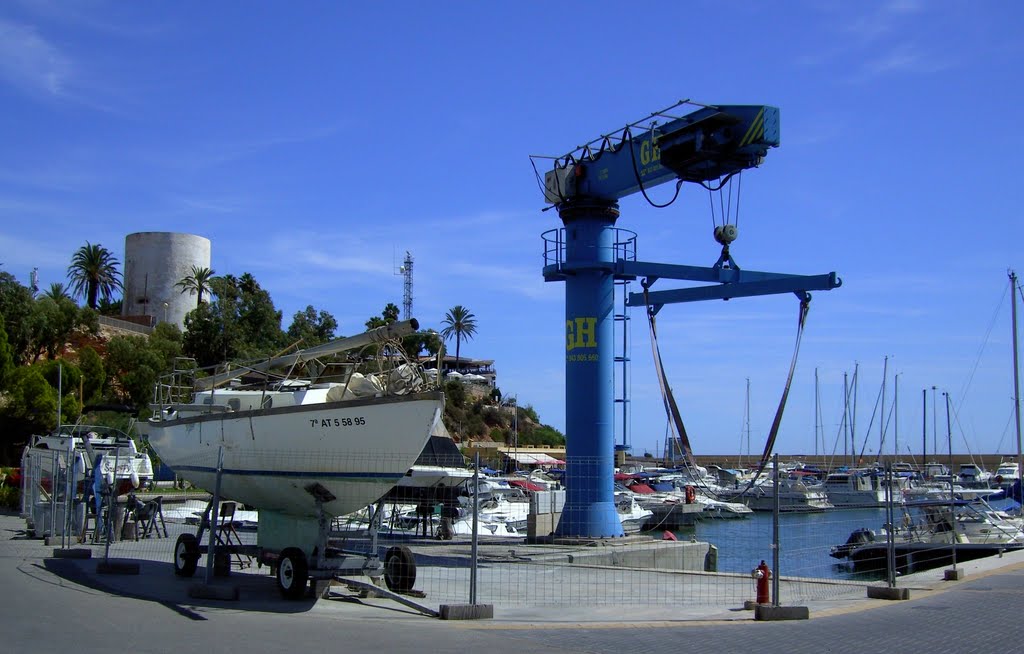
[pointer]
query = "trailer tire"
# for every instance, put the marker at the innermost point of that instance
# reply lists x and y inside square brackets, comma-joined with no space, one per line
[399,569]
[292,573]
[186,555]
[221,564]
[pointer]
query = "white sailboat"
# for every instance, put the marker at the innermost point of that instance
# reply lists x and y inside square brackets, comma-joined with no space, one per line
[283,440]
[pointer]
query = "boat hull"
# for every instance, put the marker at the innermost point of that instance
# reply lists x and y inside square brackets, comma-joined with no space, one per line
[355,450]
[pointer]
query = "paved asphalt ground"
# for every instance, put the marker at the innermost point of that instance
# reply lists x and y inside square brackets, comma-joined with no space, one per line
[61,605]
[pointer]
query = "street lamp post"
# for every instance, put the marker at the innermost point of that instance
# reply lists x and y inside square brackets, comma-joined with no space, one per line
[165,312]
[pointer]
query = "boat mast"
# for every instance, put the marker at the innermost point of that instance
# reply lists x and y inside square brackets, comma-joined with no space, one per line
[817,416]
[391,331]
[853,416]
[746,425]
[846,419]
[881,414]
[1016,377]
[924,427]
[896,416]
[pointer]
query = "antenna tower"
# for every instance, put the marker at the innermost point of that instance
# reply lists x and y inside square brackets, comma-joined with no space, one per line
[406,271]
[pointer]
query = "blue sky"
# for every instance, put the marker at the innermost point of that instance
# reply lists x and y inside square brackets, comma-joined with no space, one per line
[315,142]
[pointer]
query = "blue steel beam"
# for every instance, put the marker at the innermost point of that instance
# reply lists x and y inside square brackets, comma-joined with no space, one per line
[732,282]
[799,284]
[704,145]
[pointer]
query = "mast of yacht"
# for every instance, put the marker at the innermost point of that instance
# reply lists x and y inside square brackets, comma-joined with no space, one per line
[388,332]
[853,416]
[881,414]
[817,416]
[896,417]
[846,420]
[924,427]
[1016,377]
[748,416]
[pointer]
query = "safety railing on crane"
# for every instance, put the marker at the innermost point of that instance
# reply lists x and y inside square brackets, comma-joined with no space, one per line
[623,247]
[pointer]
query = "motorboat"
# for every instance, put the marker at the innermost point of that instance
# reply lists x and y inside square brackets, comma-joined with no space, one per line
[721,510]
[631,514]
[927,537]
[974,476]
[863,488]
[1006,474]
[794,496]
[298,448]
[65,463]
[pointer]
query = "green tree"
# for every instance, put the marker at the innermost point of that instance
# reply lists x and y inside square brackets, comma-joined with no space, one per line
[57,291]
[429,340]
[110,307]
[31,403]
[93,273]
[134,367]
[312,327]
[208,339]
[61,374]
[166,341]
[16,305]
[460,323]
[196,282]
[6,357]
[89,321]
[542,435]
[52,323]
[389,315]
[94,376]
[259,321]
[63,377]
[240,323]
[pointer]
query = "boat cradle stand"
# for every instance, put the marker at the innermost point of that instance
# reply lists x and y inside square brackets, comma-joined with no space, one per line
[294,570]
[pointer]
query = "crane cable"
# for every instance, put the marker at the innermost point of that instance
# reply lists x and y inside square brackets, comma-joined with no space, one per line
[672,407]
[668,398]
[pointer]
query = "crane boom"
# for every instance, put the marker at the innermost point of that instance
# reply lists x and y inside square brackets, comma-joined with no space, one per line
[704,145]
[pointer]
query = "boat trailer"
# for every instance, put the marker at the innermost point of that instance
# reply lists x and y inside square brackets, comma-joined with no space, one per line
[291,567]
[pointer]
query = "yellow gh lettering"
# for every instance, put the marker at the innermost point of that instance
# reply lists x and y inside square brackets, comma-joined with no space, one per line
[580,332]
[649,152]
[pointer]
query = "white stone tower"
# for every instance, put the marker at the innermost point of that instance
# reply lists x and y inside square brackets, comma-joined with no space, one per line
[153,263]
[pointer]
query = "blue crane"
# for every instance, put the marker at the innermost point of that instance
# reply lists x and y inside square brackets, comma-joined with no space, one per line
[711,143]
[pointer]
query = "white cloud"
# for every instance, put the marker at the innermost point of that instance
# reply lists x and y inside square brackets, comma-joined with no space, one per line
[30,63]
[903,58]
[883,19]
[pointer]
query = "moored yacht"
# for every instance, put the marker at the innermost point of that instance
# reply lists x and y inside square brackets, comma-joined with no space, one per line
[865,488]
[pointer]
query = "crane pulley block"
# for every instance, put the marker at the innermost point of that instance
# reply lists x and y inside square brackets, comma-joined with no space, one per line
[707,144]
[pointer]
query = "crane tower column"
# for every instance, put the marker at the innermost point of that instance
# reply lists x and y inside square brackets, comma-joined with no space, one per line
[589,369]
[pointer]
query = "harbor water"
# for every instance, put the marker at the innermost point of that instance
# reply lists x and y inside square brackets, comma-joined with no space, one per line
[805,540]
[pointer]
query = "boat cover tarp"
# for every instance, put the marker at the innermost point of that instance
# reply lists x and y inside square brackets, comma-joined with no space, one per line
[525,485]
[642,489]
[534,458]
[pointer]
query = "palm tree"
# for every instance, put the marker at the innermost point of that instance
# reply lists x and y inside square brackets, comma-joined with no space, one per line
[196,282]
[460,322]
[93,272]
[56,292]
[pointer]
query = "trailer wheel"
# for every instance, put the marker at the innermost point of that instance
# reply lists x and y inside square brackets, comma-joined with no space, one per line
[221,564]
[186,555]
[292,573]
[399,569]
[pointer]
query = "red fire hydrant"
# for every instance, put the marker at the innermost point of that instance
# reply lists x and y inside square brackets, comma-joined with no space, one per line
[762,574]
